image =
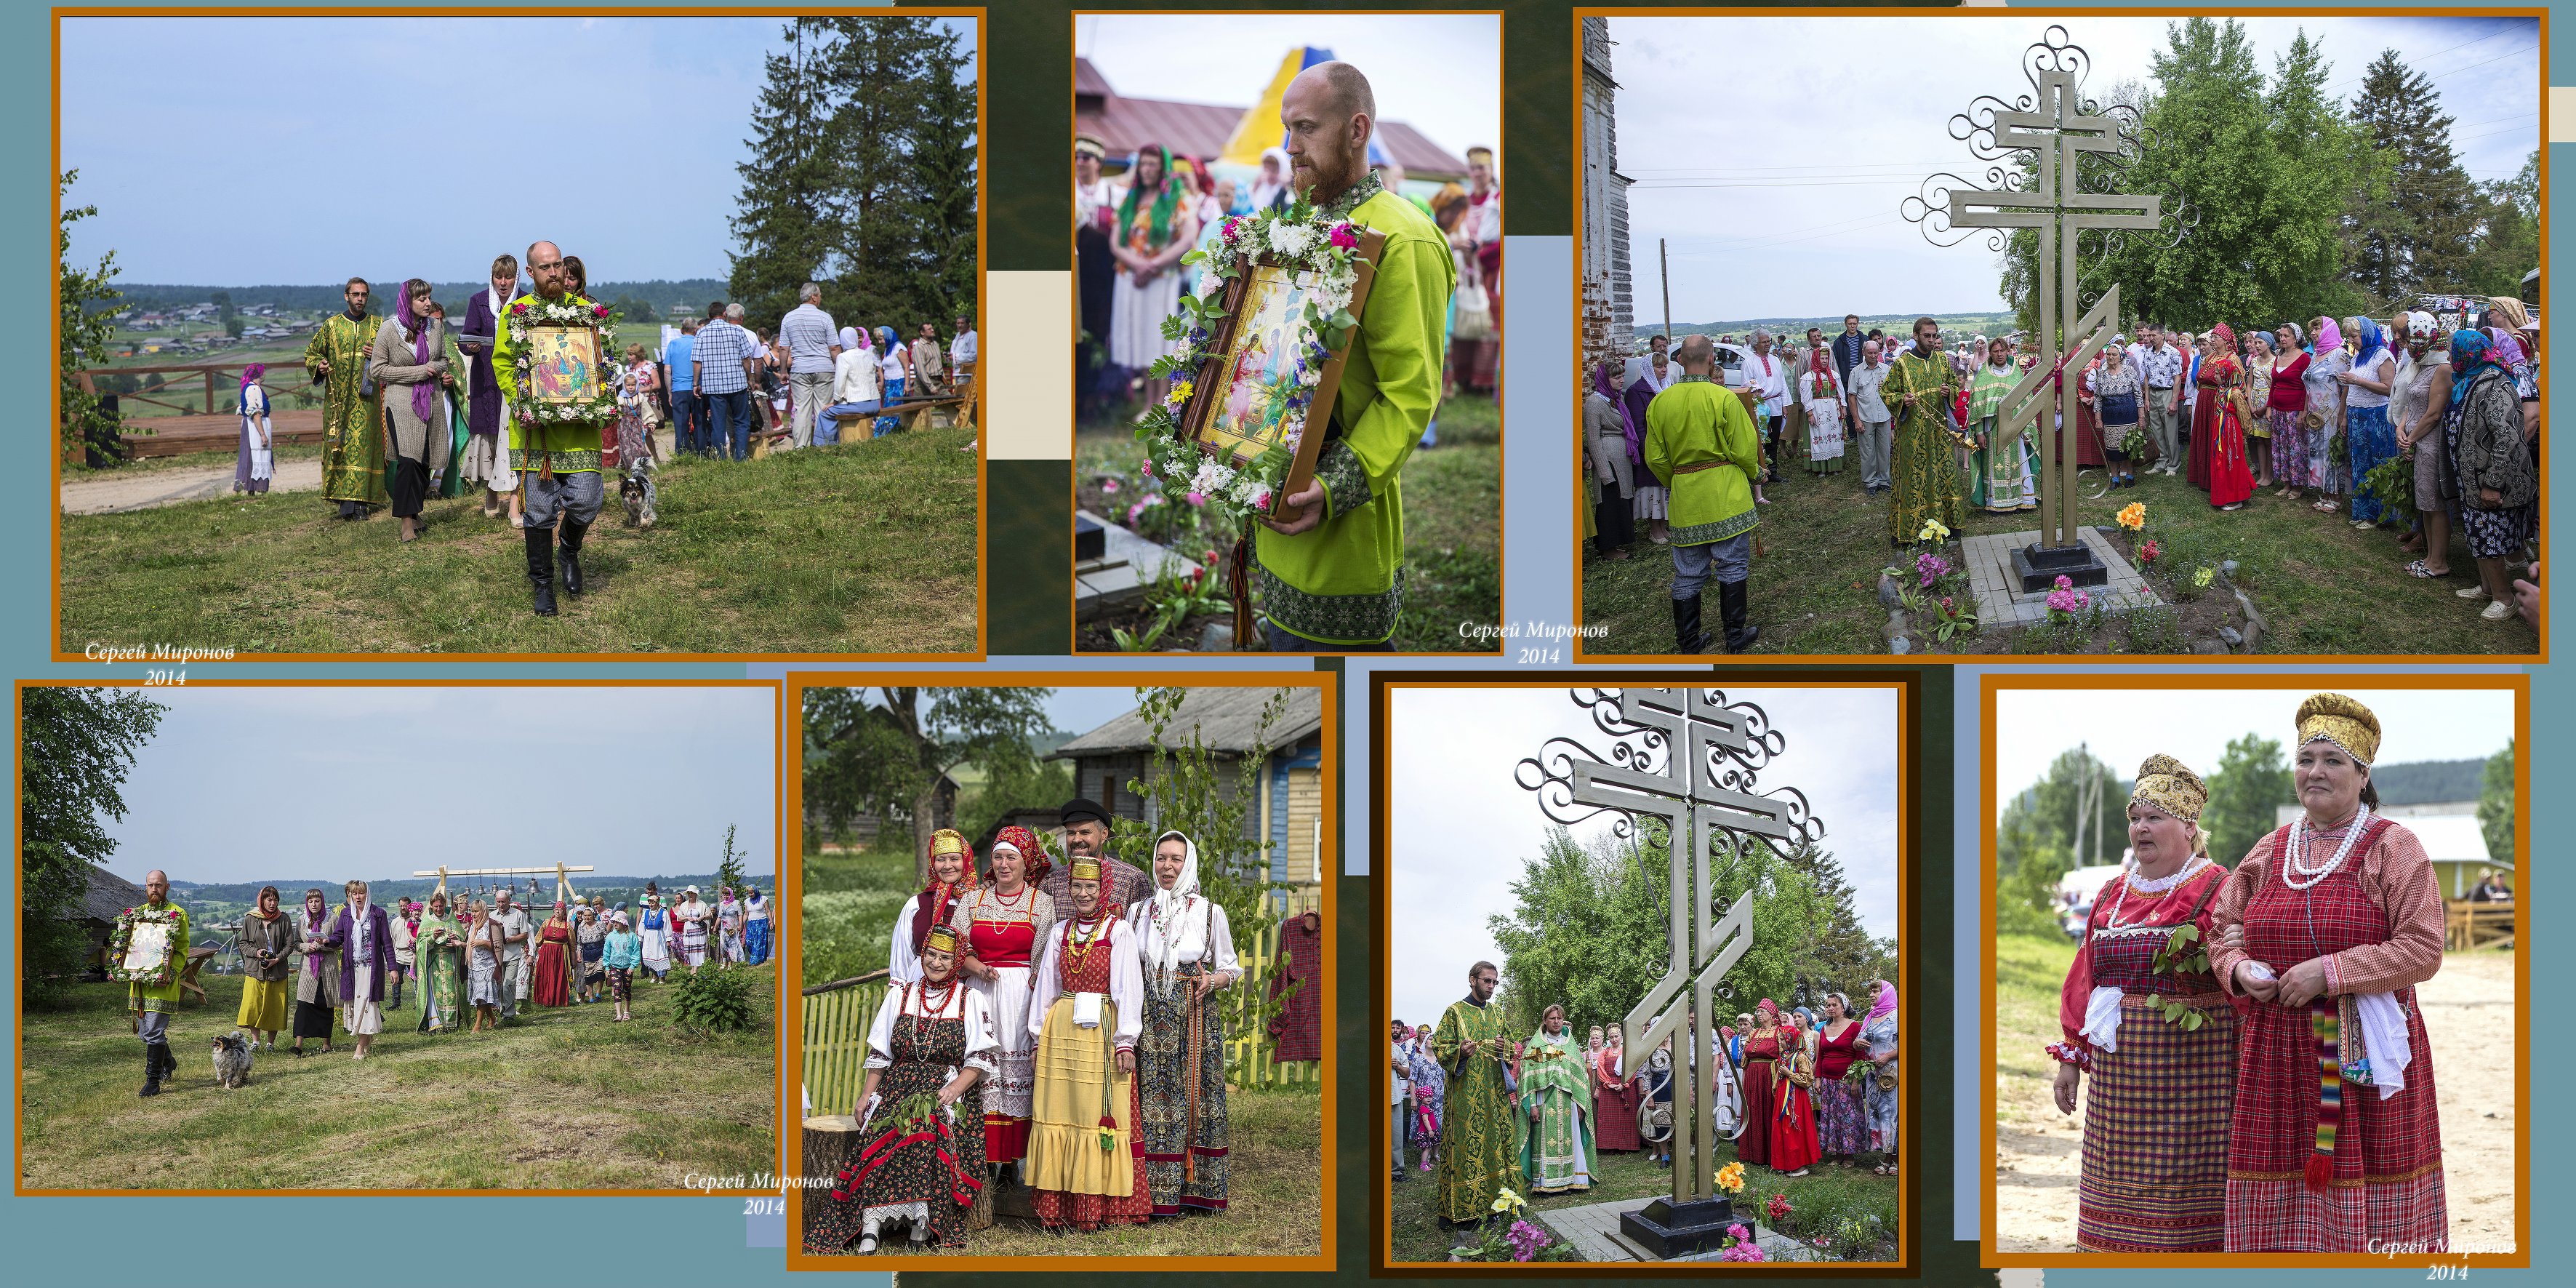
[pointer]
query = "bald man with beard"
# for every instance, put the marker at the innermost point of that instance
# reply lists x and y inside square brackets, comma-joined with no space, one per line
[558,461]
[1331,576]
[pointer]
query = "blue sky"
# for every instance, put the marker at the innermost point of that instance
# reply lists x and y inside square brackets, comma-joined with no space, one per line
[1779,193]
[374,781]
[252,151]
[1459,827]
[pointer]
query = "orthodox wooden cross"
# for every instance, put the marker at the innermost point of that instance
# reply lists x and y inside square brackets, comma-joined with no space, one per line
[1689,758]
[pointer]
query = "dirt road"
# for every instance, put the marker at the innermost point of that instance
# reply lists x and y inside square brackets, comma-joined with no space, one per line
[2038,1151]
[144,490]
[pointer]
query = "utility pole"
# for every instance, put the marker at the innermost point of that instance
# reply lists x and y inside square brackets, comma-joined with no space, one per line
[1664,270]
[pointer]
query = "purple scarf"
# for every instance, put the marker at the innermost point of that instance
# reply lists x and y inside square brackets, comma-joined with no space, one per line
[313,924]
[343,936]
[424,396]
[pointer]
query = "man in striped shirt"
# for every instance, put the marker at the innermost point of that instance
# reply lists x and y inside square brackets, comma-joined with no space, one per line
[813,343]
[720,368]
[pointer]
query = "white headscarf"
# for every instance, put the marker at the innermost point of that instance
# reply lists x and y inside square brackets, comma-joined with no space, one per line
[850,338]
[1263,190]
[1168,909]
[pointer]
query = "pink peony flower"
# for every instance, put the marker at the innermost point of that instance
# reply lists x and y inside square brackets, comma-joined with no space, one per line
[1738,1231]
[1261,497]
[1232,228]
[1146,469]
[1345,236]
[1197,498]
[520,307]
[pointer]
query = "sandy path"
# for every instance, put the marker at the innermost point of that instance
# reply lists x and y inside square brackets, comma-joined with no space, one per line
[120,493]
[2038,1151]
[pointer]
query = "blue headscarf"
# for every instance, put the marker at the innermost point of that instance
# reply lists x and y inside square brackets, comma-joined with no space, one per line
[2373,343]
[2471,352]
[885,339]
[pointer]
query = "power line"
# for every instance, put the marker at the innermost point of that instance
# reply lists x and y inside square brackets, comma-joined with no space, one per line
[2510,25]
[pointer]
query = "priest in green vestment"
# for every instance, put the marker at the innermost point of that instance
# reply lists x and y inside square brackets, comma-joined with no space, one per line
[1701,444]
[353,433]
[558,461]
[1556,1098]
[1479,1132]
[1332,578]
[1920,390]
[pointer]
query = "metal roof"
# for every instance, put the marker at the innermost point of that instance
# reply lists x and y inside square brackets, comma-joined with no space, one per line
[1123,124]
[1227,718]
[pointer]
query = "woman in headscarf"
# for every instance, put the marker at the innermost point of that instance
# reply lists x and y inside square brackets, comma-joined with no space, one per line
[952,877]
[2510,326]
[1605,452]
[409,365]
[2334,1143]
[554,950]
[267,943]
[1430,1083]
[2256,422]
[1188,954]
[2115,389]
[1821,392]
[1648,376]
[1763,1057]
[729,920]
[1271,191]
[755,927]
[1842,1126]
[1614,1096]
[2368,440]
[894,375]
[2498,488]
[363,936]
[653,928]
[589,933]
[317,976]
[1556,1093]
[854,387]
[1999,470]
[1001,924]
[2231,475]
[2214,380]
[1878,1036]
[2428,405]
[2323,419]
[2283,401]
[1788,1114]
[1155,228]
[482,965]
[2142,1014]
[256,461]
[920,1158]
[440,950]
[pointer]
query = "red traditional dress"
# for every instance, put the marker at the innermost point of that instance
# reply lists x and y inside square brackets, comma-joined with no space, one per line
[1097,956]
[2318,1159]
[1789,1114]
[1003,933]
[2154,1172]
[1614,1103]
[553,982]
[1761,1053]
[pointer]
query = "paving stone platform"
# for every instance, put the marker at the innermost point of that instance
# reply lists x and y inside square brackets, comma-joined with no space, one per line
[1594,1231]
[2000,602]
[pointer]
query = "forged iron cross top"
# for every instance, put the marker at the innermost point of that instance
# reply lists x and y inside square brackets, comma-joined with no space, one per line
[1690,758]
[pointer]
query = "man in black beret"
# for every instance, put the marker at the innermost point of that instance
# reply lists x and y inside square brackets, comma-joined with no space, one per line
[1086,825]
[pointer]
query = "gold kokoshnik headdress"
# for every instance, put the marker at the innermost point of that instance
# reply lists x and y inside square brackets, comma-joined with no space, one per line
[2334,718]
[2169,785]
[941,939]
[947,840]
[1086,870]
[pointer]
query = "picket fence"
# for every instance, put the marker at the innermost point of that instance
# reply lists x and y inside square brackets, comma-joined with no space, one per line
[837,1016]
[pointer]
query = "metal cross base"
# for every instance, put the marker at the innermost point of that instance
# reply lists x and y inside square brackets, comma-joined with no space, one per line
[1669,1229]
[2040,566]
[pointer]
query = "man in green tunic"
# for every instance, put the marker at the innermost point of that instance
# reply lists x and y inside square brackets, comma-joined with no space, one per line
[353,435]
[1920,390]
[1557,1155]
[558,462]
[1701,444]
[1479,1133]
[1332,578]
[153,993]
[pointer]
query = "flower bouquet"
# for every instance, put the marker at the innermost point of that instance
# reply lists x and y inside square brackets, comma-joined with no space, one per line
[160,972]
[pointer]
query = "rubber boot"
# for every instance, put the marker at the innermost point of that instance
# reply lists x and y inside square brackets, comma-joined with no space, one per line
[541,568]
[1687,636]
[1731,608]
[569,555]
[151,1071]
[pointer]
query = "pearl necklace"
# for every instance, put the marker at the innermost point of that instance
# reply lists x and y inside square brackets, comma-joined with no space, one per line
[2150,886]
[2297,867]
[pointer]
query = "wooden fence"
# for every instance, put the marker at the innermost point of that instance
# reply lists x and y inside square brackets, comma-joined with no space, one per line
[2474,925]
[837,1016]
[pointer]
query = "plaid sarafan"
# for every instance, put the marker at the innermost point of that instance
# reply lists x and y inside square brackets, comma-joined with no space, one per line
[2386,1185]
[2155,1132]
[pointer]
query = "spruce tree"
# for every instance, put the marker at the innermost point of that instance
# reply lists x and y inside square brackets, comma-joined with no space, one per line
[1838,954]
[944,192]
[2419,237]
[785,225]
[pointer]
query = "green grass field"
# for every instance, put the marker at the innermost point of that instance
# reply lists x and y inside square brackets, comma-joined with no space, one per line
[2322,586]
[1453,507]
[1831,1190]
[846,926]
[868,547]
[560,1099]
[2029,972]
